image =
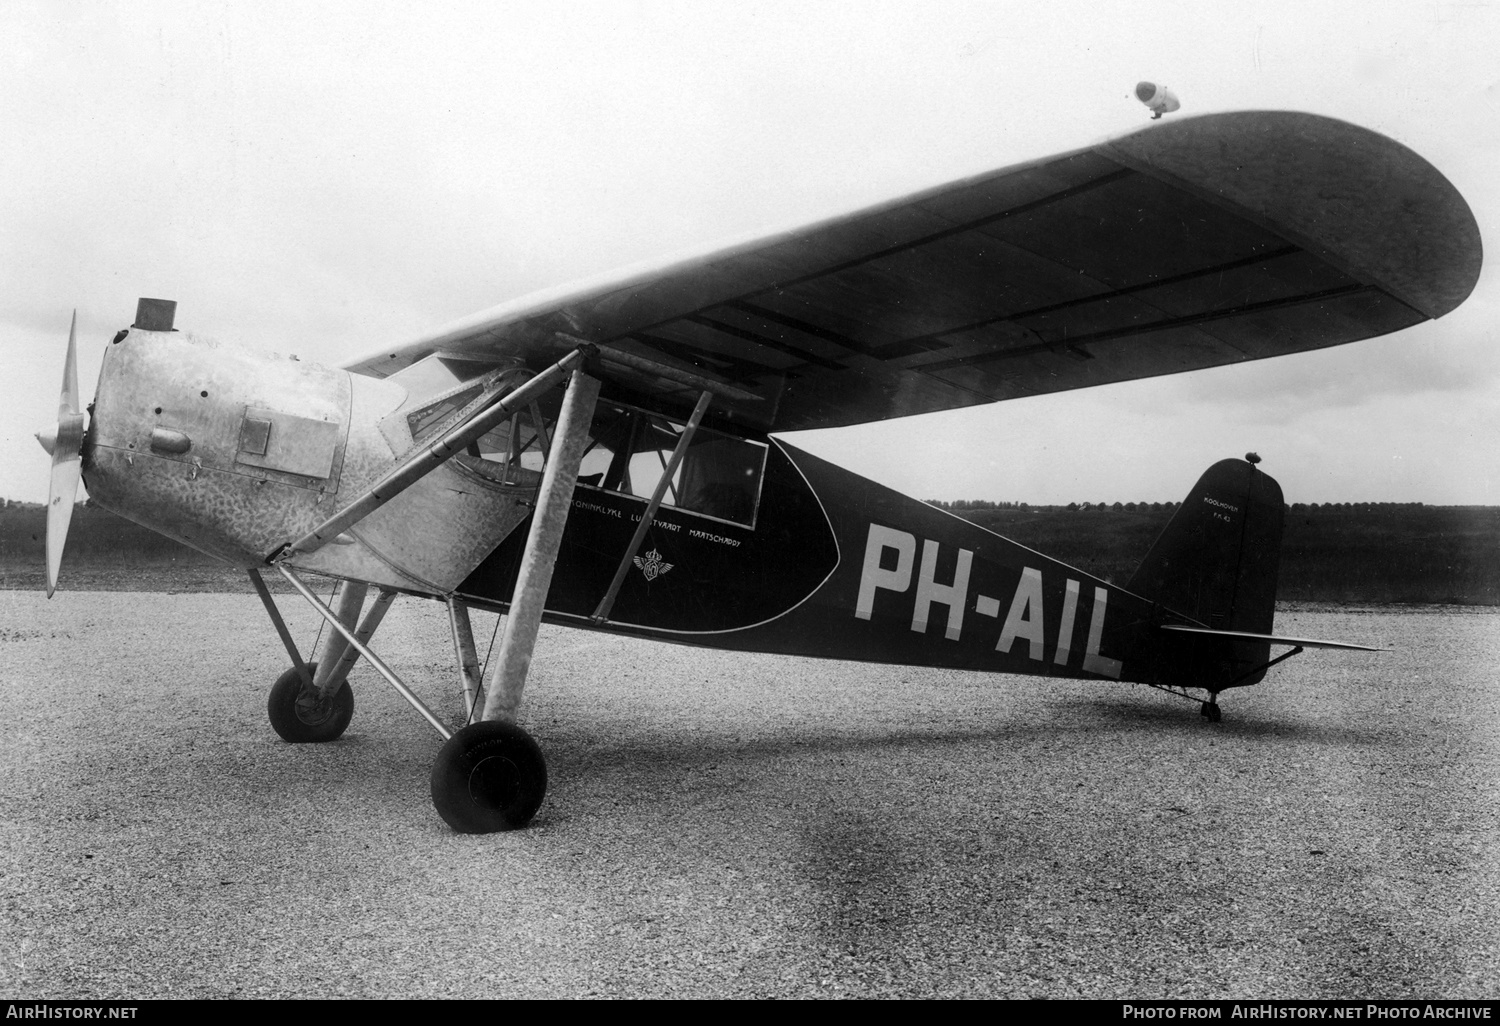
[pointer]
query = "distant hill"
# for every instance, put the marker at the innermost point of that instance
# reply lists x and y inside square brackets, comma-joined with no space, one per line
[108,553]
[95,534]
[1365,553]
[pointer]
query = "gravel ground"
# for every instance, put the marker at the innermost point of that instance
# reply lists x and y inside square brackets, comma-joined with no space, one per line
[744,826]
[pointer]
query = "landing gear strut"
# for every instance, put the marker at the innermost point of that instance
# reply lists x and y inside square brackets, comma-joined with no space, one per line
[490,775]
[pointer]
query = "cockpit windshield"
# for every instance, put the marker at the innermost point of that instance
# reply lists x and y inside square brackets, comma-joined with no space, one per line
[627,453]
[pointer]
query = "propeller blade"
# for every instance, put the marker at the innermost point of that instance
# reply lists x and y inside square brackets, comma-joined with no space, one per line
[69,401]
[67,463]
[65,474]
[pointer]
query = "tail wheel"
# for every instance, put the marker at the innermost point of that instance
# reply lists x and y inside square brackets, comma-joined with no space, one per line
[490,776]
[300,716]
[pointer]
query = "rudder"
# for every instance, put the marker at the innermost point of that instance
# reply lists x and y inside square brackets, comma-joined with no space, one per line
[1217,561]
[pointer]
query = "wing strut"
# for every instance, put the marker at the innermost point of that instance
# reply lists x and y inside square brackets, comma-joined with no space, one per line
[476,419]
[554,497]
[601,614]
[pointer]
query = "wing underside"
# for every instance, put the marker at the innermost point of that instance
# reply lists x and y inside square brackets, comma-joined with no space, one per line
[1193,244]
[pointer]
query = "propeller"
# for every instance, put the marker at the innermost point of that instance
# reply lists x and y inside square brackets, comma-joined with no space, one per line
[64,443]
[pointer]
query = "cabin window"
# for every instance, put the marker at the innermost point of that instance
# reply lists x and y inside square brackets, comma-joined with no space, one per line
[511,453]
[425,421]
[629,449]
[515,450]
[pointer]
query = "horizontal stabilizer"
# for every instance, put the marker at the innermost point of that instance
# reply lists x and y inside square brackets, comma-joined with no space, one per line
[1274,639]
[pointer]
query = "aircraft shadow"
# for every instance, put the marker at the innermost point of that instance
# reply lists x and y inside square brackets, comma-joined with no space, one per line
[1083,719]
[1236,723]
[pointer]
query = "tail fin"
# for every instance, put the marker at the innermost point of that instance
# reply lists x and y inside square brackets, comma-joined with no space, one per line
[1217,560]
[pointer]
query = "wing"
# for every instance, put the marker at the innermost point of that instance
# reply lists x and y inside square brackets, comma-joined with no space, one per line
[1190,244]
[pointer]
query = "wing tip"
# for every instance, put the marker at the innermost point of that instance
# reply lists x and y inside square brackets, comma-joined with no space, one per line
[1382,208]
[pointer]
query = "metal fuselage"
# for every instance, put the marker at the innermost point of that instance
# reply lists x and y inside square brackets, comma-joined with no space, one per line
[236,454]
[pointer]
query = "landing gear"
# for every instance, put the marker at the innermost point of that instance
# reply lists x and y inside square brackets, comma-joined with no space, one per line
[489,776]
[1210,710]
[300,716]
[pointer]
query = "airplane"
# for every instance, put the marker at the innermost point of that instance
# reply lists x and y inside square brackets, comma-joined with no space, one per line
[605,455]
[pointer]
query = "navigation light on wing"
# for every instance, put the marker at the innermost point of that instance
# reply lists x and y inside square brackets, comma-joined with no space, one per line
[1158,99]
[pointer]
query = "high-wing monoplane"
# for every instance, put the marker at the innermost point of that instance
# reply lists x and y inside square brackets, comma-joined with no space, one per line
[605,455]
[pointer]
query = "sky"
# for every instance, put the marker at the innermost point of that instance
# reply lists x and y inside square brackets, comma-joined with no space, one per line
[327,179]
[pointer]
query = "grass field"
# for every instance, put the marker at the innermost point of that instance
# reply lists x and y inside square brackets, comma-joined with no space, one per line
[1396,553]
[740,825]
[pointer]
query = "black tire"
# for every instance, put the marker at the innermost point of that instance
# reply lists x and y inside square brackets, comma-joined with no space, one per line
[299,717]
[490,776]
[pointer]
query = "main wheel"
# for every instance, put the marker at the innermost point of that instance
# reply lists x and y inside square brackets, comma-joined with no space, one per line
[1210,711]
[300,716]
[489,776]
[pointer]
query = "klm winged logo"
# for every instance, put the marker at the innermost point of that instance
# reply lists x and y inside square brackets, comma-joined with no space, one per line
[652,565]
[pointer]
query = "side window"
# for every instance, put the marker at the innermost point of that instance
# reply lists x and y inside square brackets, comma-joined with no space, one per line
[516,448]
[511,453]
[720,477]
[425,421]
[629,450]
